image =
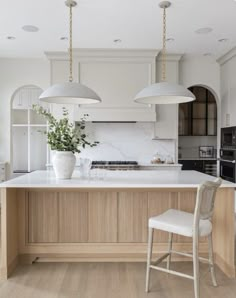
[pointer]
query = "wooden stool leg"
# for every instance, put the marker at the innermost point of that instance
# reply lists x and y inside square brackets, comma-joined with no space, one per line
[211,261]
[169,250]
[196,268]
[149,256]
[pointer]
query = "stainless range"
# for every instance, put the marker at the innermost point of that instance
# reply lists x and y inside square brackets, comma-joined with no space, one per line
[115,165]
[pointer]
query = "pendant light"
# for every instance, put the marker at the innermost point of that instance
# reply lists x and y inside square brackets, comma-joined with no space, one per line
[164,92]
[70,92]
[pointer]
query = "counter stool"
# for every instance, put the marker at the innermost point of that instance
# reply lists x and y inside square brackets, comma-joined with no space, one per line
[190,225]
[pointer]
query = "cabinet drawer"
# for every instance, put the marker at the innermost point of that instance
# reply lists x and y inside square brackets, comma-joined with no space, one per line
[195,165]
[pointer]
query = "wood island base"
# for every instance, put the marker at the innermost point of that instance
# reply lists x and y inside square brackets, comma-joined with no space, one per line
[102,225]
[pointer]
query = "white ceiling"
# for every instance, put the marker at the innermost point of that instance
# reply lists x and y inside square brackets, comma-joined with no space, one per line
[138,23]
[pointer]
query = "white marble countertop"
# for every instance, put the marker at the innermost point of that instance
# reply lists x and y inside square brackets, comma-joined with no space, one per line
[160,165]
[114,179]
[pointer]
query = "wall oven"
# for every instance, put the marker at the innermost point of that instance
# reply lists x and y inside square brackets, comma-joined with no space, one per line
[227,170]
[228,164]
[228,137]
[228,154]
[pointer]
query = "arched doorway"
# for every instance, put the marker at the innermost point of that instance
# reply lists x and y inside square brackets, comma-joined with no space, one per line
[28,143]
[198,132]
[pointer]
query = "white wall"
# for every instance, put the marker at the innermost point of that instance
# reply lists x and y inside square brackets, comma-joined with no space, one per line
[200,70]
[15,73]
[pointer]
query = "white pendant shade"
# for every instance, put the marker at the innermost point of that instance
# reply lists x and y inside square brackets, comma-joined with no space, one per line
[164,93]
[69,93]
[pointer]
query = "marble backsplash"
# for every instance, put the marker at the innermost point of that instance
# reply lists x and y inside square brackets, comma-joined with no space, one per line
[125,141]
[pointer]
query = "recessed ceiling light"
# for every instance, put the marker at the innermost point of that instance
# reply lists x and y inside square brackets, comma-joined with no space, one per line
[170,39]
[64,38]
[204,30]
[117,40]
[30,28]
[10,37]
[223,40]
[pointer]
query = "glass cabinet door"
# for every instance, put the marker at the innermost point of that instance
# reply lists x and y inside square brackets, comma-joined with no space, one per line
[198,118]
[184,119]
[211,116]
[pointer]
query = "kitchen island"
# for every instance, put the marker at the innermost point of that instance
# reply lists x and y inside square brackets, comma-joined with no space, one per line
[104,218]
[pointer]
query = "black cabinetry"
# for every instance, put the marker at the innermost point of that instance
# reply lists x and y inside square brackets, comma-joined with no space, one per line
[203,166]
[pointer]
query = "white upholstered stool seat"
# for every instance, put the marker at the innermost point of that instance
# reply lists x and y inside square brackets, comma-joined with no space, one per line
[179,222]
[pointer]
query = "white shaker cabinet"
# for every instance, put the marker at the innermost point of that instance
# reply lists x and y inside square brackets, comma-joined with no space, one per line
[115,75]
[166,126]
[228,89]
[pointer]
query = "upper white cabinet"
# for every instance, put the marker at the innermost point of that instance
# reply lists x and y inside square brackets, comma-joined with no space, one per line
[116,76]
[228,89]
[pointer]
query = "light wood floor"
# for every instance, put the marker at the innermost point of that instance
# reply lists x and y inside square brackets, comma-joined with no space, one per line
[108,280]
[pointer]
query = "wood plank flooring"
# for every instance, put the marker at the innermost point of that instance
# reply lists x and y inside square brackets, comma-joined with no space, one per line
[108,280]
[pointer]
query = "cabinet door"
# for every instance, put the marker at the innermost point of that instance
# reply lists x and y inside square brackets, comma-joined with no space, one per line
[102,216]
[167,118]
[192,165]
[185,128]
[73,217]
[211,116]
[43,216]
[231,119]
[132,214]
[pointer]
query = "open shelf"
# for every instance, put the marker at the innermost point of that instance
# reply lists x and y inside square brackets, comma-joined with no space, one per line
[28,139]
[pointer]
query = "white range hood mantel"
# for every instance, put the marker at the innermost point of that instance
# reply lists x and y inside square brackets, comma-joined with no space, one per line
[116,75]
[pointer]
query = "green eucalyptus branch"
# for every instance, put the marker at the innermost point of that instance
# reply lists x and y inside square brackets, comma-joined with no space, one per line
[63,135]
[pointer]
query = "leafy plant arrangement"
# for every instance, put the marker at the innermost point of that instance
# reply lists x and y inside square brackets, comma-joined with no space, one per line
[63,135]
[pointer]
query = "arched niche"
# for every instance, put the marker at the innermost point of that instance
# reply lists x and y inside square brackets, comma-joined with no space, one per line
[28,141]
[198,131]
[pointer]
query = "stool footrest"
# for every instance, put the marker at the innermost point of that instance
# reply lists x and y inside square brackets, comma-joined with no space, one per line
[172,272]
[189,255]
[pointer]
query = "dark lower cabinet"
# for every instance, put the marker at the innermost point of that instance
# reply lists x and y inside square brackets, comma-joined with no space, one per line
[204,166]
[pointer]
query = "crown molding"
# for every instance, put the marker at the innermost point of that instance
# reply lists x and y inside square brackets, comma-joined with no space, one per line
[170,57]
[226,57]
[105,53]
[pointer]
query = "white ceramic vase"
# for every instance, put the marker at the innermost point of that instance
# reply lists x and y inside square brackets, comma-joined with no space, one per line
[64,164]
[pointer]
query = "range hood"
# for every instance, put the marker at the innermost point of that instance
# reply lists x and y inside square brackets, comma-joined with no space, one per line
[116,115]
[116,75]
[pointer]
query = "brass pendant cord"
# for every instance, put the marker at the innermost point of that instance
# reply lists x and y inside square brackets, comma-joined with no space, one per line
[70,48]
[164,46]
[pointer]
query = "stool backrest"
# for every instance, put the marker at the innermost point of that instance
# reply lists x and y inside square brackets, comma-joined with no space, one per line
[206,194]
